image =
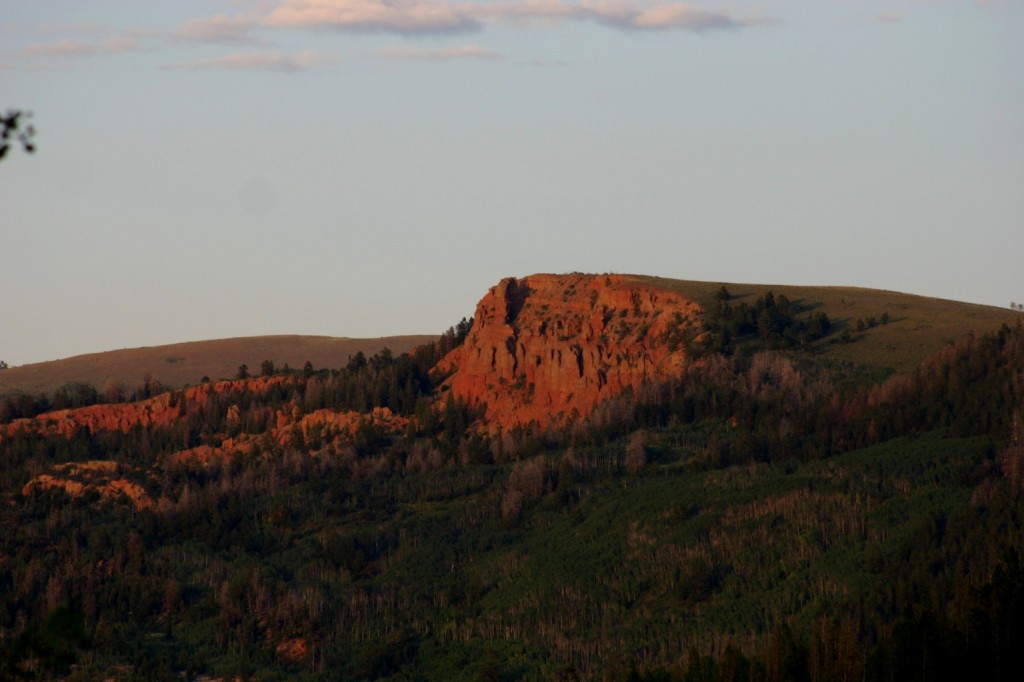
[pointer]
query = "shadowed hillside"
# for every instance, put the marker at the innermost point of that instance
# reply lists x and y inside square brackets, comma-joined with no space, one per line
[594,478]
[178,364]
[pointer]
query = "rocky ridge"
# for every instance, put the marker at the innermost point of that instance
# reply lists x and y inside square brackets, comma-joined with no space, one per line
[287,425]
[546,349]
[543,351]
[159,411]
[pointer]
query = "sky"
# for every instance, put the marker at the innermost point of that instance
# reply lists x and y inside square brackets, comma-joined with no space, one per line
[219,168]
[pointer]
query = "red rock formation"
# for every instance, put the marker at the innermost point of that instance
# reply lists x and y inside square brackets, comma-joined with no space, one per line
[543,350]
[166,409]
[328,425]
[161,410]
[77,478]
[546,347]
[333,423]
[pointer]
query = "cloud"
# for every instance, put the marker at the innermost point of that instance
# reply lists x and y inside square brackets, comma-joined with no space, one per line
[421,16]
[439,55]
[398,16]
[660,16]
[256,61]
[78,48]
[521,13]
[890,18]
[222,30]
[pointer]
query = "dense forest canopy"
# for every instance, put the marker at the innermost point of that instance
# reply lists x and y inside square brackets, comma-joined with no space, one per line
[764,515]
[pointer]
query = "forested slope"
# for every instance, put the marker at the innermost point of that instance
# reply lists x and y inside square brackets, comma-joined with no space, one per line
[762,512]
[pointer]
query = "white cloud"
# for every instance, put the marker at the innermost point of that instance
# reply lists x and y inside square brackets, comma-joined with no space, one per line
[418,16]
[78,48]
[438,55]
[256,61]
[399,16]
[221,29]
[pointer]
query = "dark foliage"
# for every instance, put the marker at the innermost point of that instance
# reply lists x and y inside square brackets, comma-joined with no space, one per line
[748,520]
[775,321]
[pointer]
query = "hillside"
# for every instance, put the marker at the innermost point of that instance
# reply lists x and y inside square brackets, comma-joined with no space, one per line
[547,349]
[178,364]
[595,478]
[918,325]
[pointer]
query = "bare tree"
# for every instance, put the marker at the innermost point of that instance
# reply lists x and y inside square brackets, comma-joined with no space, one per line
[636,451]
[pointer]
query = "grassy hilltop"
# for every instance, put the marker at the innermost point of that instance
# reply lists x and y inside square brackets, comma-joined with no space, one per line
[917,325]
[178,364]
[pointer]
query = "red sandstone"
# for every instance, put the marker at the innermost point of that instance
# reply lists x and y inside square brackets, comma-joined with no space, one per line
[547,347]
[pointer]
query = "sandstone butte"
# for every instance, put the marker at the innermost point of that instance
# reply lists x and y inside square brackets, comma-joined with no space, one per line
[543,350]
[546,349]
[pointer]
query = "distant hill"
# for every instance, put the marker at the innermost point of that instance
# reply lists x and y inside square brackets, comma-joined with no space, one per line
[917,327]
[178,364]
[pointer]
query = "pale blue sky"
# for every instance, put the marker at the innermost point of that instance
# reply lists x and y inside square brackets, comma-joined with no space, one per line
[359,168]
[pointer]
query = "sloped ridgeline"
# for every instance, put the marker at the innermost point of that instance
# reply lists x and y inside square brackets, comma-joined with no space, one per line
[748,513]
[546,349]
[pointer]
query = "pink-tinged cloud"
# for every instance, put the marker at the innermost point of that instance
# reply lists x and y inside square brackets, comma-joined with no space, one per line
[256,61]
[663,16]
[890,18]
[221,29]
[439,55]
[78,48]
[418,16]
[399,16]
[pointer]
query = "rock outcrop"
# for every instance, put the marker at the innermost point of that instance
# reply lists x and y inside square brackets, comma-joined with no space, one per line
[101,476]
[159,411]
[543,351]
[297,431]
[288,425]
[548,348]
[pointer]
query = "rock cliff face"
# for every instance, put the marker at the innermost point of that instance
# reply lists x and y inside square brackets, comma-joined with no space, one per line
[546,348]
